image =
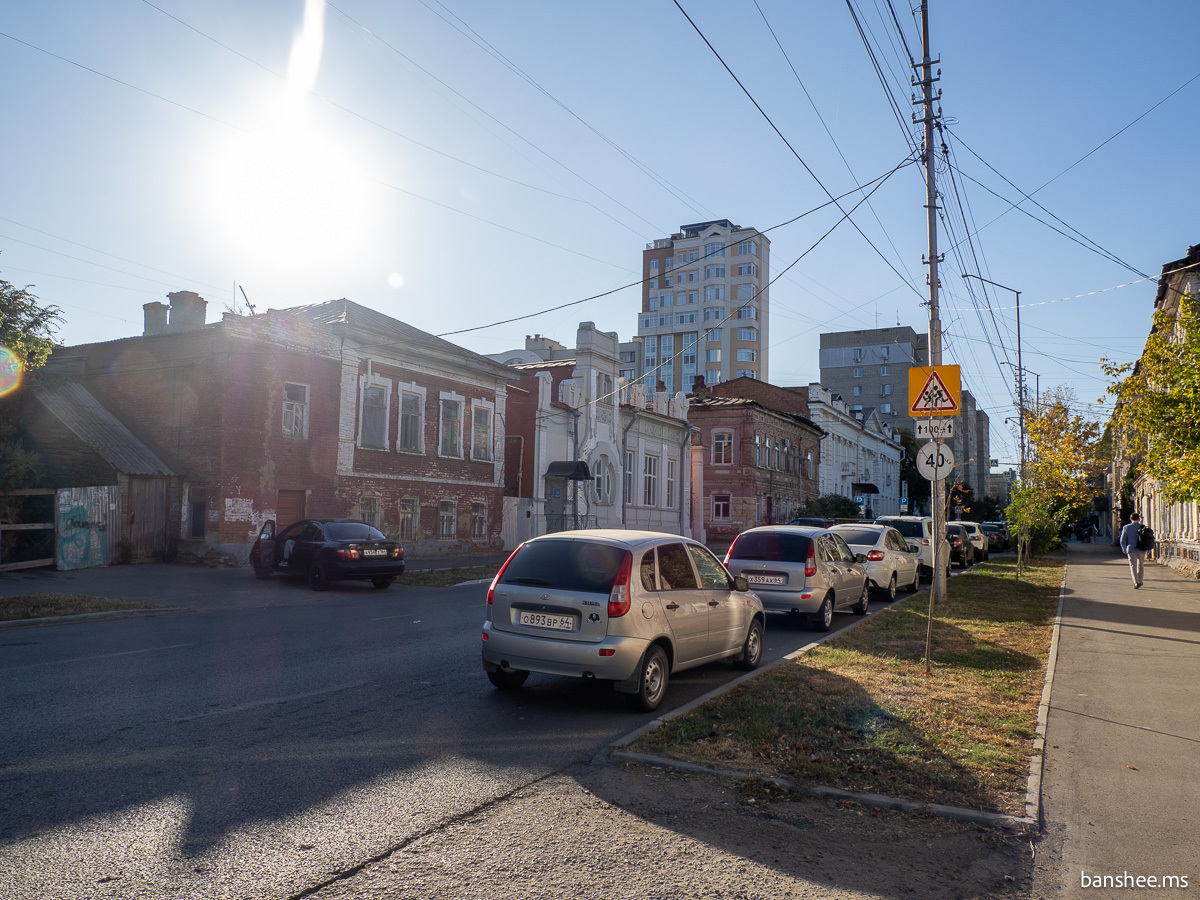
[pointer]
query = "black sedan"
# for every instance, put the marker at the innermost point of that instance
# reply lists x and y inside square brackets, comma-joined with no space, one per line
[328,550]
[962,551]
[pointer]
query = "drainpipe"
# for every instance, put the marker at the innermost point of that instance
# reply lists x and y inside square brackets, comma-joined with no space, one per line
[685,465]
[625,454]
[575,455]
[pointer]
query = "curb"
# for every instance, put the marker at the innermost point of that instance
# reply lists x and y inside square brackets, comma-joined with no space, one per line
[88,617]
[1033,789]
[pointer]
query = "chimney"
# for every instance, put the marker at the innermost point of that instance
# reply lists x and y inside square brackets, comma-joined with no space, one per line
[660,386]
[156,318]
[187,310]
[699,388]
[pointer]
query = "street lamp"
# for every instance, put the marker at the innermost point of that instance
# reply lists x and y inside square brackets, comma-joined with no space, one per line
[1020,368]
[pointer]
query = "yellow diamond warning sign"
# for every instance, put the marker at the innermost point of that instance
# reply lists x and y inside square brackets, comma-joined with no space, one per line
[934,391]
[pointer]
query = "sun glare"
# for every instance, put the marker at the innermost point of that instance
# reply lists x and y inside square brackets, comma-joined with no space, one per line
[10,371]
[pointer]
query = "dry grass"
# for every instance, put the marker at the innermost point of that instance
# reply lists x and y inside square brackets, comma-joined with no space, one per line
[859,712]
[38,606]
[446,577]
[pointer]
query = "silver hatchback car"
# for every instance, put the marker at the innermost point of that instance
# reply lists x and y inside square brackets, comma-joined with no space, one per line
[795,569]
[628,607]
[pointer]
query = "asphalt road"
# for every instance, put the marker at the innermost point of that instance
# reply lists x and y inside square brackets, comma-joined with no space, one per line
[264,737]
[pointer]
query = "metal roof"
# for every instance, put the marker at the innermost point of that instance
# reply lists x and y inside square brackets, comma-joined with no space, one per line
[73,405]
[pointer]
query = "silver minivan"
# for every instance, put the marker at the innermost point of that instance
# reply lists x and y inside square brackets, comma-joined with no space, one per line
[628,607]
[802,570]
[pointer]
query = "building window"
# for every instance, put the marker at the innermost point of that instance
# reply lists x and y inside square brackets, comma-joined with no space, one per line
[885,390]
[808,464]
[693,255]
[450,422]
[746,292]
[884,352]
[410,514]
[715,313]
[715,248]
[650,481]
[374,418]
[628,480]
[713,355]
[481,432]
[668,281]
[686,318]
[666,320]
[747,269]
[720,506]
[747,248]
[693,297]
[714,271]
[857,407]
[885,408]
[371,513]
[858,390]
[885,370]
[295,410]
[857,372]
[689,352]
[604,480]
[447,519]
[758,450]
[412,422]
[747,334]
[666,299]
[714,334]
[746,373]
[682,257]
[479,520]
[747,355]
[654,265]
[714,292]
[653,303]
[712,376]
[647,321]
[653,283]
[670,500]
[747,312]
[722,448]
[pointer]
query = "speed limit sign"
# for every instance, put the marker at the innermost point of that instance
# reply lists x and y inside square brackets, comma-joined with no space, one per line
[935,460]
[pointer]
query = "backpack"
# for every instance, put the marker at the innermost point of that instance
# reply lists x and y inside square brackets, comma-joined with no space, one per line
[1145,538]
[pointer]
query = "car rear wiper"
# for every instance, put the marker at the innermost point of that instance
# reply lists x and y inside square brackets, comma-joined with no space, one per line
[533,582]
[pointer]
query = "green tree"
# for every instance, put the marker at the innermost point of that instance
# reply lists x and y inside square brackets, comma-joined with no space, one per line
[834,506]
[1158,401]
[26,326]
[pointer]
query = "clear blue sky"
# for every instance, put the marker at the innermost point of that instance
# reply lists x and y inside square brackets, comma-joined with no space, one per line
[460,162]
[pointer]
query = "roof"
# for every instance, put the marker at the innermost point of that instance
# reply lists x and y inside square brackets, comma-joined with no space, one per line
[83,415]
[355,315]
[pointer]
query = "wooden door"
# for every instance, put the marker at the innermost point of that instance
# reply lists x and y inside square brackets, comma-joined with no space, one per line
[289,509]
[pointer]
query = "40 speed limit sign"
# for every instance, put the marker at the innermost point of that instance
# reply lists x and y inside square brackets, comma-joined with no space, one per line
[935,460]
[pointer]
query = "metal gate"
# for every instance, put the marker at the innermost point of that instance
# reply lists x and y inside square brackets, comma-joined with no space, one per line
[87,523]
[148,516]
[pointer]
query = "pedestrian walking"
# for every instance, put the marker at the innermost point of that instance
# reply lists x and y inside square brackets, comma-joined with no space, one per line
[1129,546]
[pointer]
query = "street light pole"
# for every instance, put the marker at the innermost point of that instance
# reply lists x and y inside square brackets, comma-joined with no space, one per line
[1020,368]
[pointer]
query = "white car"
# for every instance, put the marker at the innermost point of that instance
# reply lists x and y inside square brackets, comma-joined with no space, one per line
[979,540]
[891,561]
[919,530]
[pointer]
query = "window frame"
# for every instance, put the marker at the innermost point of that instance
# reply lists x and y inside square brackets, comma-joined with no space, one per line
[650,467]
[444,399]
[298,409]
[721,448]
[722,503]
[443,518]
[489,409]
[411,390]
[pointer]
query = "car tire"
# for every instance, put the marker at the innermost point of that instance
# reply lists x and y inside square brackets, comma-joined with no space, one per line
[382,582]
[823,618]
[653,675]
[318,578]
[860,608]
[507,679]
[752,649]
[261,573]
[916,582]
[889,592]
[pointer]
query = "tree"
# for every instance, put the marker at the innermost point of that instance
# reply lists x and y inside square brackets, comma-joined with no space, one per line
[919,490]
[26,327]
[1158,401]
[1060,476]
[834,506]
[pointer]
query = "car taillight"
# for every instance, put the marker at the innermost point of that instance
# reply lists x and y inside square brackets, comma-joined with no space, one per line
[874,555]
[618,600]
[729,552]
[397,553]
[347,554]
[810,562]
[492,586]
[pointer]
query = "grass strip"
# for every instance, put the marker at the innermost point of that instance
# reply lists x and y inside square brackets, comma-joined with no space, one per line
[39,606]
[446,577]
[859,713]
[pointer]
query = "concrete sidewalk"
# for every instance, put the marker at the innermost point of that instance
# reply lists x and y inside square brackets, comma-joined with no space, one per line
[1121,786]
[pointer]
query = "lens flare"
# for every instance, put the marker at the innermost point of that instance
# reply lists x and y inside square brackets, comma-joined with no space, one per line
[11,369]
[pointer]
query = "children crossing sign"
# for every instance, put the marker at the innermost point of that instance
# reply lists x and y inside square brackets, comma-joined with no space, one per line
[934,391]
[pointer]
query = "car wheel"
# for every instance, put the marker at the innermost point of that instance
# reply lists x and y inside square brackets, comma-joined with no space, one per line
[860,608]
[916,582]
[508,679]
[261,573]
[752,650]
[653,675]
[383,581]
[889,592]
[824,616]
[318,578]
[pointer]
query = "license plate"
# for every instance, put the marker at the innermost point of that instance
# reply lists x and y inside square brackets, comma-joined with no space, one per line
[765,579]
[541,620]
[374,553]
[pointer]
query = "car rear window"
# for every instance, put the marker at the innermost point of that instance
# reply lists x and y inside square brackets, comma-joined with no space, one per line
[908,529]
[566,566]
[772,546]
[353,531]
[859,535]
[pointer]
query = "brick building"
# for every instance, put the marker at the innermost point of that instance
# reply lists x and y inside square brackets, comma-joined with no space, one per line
[324,410]
[755,456]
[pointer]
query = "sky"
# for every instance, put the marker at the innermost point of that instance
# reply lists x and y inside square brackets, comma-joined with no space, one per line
[453,163]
